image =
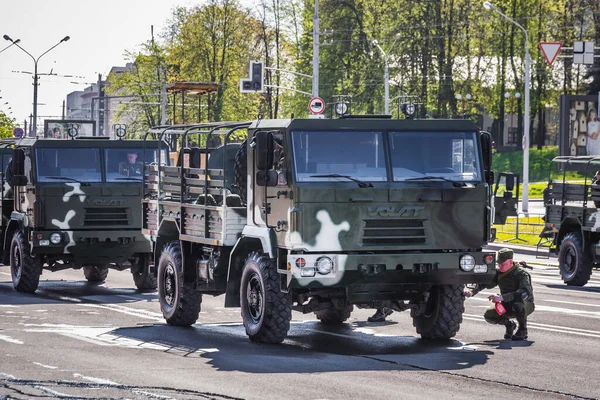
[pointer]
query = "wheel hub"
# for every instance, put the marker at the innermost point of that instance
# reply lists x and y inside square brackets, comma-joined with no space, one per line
[17,264]
[170,286]
[255,298]
[570,261]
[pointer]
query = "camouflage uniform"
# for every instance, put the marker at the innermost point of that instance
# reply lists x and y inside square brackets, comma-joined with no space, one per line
[517,293]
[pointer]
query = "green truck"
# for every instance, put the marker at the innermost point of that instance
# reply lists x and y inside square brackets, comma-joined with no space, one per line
[320,216]
[75,204]
[572,219]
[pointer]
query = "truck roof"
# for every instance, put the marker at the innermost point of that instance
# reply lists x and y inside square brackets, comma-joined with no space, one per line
[451,125]
[85,142]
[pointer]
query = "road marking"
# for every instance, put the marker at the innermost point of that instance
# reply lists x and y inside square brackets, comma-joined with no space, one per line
[546,327]
[574,303]
[559,310]
[45,366]
[53,392]
[152,395]
[10,340]
[96,380]
[154,316]
[7,305]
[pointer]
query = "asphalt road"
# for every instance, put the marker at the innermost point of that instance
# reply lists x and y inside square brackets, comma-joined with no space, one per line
[74,340]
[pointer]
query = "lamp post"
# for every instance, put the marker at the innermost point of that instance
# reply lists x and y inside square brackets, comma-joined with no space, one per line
[386,73]
[35,75]
[10,45]
[525,196]
[464,99]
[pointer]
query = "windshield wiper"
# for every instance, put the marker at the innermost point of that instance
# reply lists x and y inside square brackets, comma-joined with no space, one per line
[64,178]
[428,178]
[361,184]
[128,178]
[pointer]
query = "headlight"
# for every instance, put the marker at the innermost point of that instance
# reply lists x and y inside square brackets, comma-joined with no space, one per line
[55,238]
[324,265]
[467,262]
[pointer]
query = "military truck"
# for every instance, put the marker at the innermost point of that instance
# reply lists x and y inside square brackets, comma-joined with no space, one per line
[572,219]
[321,215]
[75,204]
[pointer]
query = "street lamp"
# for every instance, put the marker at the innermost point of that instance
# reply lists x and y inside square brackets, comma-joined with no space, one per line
[35,74]
[467,97]
[386,73]
[10,45]
[525,196]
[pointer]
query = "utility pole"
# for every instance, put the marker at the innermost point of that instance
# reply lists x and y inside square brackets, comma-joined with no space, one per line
[315,77]
[63,110]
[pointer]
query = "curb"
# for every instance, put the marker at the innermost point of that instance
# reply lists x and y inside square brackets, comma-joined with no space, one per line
[528,250]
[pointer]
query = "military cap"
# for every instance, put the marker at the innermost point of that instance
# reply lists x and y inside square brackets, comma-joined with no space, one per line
[503,255]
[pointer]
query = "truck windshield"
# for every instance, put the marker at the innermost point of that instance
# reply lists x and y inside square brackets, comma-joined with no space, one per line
[80,165]
[450,155]
[126,164]
[358,155]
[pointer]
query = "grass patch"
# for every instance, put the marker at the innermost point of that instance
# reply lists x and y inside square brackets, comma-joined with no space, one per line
[536,190]
[529,230]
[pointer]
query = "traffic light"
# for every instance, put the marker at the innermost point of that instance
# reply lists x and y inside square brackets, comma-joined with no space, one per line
[256,82]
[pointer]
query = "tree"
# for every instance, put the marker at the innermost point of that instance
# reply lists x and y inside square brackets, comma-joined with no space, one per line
[6,126]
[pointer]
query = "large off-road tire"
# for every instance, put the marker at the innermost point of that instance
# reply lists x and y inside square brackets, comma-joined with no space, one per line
[334,315]
[140,270]
[25,269]
[95,273]
[266,310]
[180,302]
[574,263]
[240,171]
[443,313]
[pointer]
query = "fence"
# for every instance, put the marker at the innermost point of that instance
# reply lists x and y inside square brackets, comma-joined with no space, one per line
[526,227]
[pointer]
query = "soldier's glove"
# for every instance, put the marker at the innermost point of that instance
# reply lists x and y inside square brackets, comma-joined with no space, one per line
[523,264]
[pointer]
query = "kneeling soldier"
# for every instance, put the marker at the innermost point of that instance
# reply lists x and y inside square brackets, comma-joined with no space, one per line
[516,295]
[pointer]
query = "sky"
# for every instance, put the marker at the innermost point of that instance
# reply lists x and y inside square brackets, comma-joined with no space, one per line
[100,34]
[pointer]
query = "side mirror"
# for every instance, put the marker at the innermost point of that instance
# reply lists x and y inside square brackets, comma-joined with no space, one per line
[486,148]
[510,182]
[17,164]
[264,144]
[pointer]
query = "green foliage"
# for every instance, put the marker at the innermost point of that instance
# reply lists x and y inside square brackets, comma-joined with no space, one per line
[6,126]
[539,162]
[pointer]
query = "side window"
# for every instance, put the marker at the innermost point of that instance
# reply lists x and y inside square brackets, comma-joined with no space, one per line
[279,163]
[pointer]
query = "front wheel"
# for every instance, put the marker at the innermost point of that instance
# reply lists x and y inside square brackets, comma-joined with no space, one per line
[140,270]
[25,269]
[95,273]
[443,312]
[266,310]
[574,262]
[179,301]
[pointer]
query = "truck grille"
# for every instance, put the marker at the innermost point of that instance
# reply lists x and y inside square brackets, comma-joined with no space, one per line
[105,216]
[391,232]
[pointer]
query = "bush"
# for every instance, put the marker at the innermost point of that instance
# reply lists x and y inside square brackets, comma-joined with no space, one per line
[539,162]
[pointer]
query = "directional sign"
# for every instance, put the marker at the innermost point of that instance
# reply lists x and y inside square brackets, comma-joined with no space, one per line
[550,50]
[316,105]
[18,132]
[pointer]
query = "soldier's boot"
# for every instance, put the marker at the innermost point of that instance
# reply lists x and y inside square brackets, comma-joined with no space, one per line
[521,333]
[510,329]
[380,315]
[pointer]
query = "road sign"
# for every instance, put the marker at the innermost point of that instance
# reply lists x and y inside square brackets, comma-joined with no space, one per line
[316,105]
[583,52]
[550,50]
[18,132]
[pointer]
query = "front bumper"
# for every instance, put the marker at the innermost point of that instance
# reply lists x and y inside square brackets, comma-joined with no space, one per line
[387,276]
[91,247]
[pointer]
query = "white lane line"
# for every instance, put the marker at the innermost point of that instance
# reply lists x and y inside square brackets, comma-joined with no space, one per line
[546,327]
[151,315]
[45,366]
[53,392]
[558,310]
[96,380]
[574,303]
[10,340]
[153,395]
[8,305]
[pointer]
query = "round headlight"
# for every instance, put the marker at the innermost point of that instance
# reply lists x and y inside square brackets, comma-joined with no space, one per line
[55,238]
[467,262]
[324,265]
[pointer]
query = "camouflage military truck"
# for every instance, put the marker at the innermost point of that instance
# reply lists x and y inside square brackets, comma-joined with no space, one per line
[75,204]
[572,220]
[319,216]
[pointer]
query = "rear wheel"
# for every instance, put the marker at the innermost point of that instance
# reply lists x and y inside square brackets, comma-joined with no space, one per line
[334,315]
[443,312]
[180,302]
[95,273]
[25,269]
[574,262]
[140,270]
[266,310]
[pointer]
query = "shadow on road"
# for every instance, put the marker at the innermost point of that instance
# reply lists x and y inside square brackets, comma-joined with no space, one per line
[310,347]
[505,344]
[59,291]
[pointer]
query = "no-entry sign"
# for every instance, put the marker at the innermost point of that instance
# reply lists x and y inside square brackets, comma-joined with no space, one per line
[316,105]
